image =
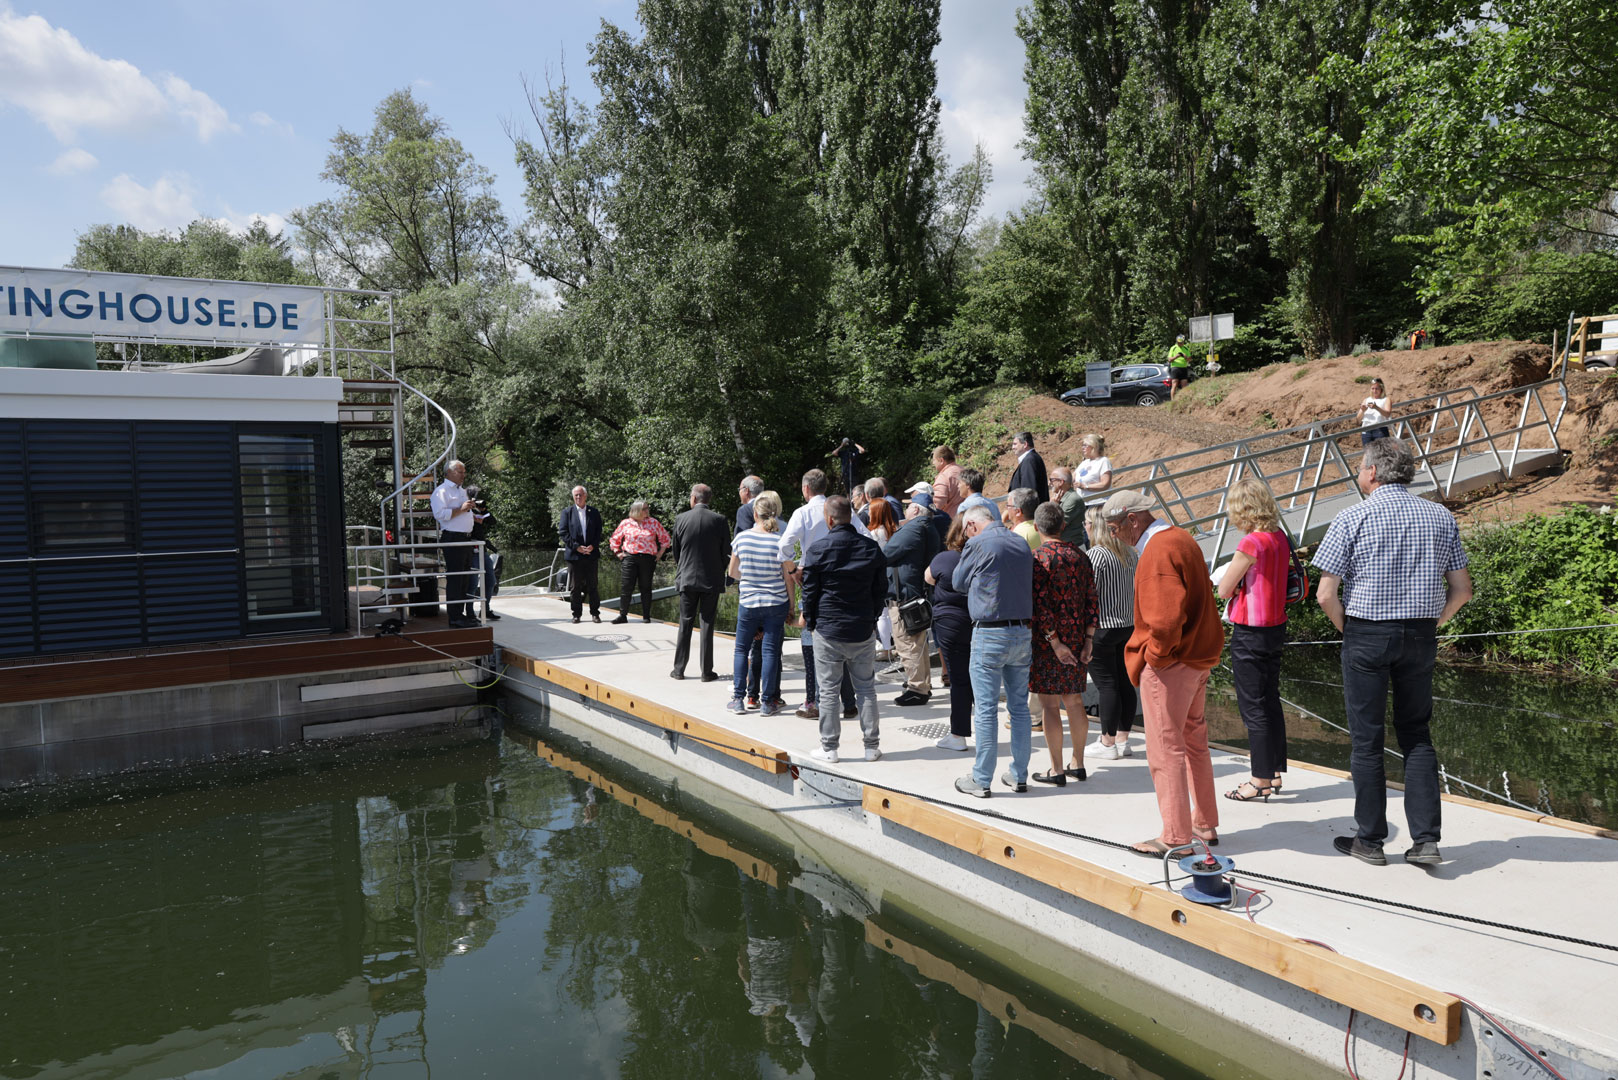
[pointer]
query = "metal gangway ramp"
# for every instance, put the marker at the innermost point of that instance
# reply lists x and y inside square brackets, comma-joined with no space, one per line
[1462,441]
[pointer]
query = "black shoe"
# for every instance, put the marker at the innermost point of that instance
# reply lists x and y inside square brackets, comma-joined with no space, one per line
[576,618]
[494,615]
[1353,845]
[464,624]
[849,714]
[645,618]
[676,674]
[620,620]
[710,676]
[910,697]
[595,616]
[1424,854]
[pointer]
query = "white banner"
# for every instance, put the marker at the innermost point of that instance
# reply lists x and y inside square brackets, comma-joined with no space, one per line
[82,303]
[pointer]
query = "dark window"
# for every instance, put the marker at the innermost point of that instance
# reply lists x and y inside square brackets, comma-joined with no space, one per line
[282,534]
[76,525]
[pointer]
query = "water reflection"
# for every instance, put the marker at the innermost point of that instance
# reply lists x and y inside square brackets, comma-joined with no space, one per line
[1546,742]
[480,910]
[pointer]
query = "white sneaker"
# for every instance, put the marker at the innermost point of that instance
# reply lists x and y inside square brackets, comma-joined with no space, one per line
[951,742]
[828,756]
[893,672]
[1105,752]
[1123,748]
[872,754]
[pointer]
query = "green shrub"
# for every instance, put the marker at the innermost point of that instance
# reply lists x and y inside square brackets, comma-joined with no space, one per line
[1361,349]
[1543,572]
[1371,361]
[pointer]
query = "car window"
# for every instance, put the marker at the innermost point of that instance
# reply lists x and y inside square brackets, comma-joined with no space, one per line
[1128,374]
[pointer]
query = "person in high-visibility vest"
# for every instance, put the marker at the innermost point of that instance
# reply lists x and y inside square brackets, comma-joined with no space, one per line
[1180,355]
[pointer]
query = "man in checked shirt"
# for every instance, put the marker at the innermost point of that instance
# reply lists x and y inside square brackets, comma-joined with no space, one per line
[1401,559]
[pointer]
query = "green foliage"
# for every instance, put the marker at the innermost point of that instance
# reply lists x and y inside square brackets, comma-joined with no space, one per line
[1501,120]
[1541,572]
[1527,301]
[1370,361]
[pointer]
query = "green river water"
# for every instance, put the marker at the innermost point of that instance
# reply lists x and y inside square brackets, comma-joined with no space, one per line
[416,909]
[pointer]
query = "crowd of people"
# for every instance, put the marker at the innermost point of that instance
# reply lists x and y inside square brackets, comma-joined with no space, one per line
[1070,582]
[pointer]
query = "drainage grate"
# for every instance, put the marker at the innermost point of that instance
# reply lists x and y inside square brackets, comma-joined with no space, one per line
[927,731]
[610,639]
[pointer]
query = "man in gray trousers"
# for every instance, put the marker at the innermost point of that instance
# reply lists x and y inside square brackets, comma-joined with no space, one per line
[845,586]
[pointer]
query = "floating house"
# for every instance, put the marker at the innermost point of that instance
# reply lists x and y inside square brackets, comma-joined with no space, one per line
[175,579]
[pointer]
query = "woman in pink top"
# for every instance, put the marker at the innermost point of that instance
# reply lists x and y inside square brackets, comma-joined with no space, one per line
[638,541]
[1255,583]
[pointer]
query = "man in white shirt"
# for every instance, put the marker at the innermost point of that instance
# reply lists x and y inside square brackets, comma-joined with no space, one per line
[452,509]
[806,528]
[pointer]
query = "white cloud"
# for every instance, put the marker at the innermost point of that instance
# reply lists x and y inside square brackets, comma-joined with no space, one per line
[980,85]
[240,223]
[202,110]
[73,161]
[168,204]
[265,120]
[49,74]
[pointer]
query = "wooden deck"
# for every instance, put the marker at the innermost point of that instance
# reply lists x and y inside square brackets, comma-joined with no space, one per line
[131,670]
[1501,865]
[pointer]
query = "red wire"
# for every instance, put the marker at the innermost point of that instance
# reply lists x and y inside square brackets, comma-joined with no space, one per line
[1512,1035]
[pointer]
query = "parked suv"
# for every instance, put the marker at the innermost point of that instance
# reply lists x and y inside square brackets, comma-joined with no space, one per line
[1132,384]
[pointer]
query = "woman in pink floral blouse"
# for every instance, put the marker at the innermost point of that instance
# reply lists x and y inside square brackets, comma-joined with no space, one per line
[638,541]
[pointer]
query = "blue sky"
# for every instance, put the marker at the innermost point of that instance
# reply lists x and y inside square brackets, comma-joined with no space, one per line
[158,112]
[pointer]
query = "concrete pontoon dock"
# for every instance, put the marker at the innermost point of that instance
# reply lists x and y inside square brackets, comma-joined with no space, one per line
[1271,993]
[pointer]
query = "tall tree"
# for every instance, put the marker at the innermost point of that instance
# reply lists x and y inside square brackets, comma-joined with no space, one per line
[1502,118]
[710,315]
[1290,127]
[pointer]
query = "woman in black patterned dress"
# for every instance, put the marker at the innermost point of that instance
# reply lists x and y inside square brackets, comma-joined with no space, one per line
[1065,617]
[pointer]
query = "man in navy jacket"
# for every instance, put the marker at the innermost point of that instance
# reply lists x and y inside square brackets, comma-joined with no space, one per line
[580,530]
[845,585]
[907,555]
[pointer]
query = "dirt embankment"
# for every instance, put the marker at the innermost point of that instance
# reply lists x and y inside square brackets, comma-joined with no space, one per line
[1225,407]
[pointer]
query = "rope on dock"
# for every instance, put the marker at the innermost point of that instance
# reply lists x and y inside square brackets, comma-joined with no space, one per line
[798,767]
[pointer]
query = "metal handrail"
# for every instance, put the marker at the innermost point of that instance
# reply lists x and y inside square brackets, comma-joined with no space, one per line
[367,575]
[1428,429]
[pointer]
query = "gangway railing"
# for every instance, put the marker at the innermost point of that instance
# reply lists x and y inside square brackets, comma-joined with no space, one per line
[1312,469]
[392,573]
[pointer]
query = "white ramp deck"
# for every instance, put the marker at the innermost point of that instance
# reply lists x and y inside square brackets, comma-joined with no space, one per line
[1500,865]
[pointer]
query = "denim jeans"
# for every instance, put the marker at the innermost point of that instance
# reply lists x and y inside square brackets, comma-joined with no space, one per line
[812,684]
[856,659]
[1000,657]
[749,621]
[1398,653]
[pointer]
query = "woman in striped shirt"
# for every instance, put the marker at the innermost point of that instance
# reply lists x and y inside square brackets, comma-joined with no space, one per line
[755,563]
[1114,564]
[1255,583]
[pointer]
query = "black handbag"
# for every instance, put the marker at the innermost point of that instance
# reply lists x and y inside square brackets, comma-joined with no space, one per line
[916,615]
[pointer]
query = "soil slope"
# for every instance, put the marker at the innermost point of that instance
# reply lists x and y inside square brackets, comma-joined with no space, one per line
[1224,407]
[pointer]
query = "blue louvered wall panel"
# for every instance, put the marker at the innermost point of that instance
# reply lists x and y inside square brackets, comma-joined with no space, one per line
[192,598]
[13,526]
[16,610]
[185,475]
[88,604]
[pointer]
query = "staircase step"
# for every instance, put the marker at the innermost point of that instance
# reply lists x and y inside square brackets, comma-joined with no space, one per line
[365,425]
[371,444]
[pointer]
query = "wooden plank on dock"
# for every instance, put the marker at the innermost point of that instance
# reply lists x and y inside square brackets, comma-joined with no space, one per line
[253,658]
[1358,985]
[760,755]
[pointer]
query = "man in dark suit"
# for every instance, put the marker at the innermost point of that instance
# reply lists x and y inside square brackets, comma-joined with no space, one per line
[580,529]
[907,556]
[701,549]
[1030,471]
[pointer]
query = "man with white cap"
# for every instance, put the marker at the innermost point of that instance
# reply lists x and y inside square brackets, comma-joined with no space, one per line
[1177,641]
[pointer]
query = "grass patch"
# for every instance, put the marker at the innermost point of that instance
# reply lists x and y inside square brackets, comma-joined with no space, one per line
[1362,378]
[1371,361]
[1300,373]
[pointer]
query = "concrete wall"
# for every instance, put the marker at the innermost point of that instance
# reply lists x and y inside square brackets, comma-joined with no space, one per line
[93,736]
